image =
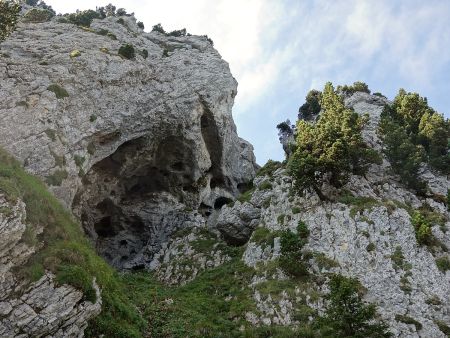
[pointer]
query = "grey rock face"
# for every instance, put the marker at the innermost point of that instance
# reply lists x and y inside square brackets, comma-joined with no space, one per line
[41,309]
[236,223]
[114,137]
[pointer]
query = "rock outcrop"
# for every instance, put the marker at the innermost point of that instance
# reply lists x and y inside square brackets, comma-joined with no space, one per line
[40,309]
[131,145]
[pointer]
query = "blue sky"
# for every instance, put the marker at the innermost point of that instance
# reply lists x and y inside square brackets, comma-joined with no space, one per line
[279,50]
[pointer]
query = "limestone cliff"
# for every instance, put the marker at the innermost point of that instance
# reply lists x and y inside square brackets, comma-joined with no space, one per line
[129,144]
[144,153]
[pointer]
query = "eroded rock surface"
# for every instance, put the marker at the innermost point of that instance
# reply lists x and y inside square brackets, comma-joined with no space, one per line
[128,144]
[41,309]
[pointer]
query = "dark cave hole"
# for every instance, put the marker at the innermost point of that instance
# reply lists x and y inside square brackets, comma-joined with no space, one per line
[243,187]
[178,166]
[104,227]
[221,201]
[123,242]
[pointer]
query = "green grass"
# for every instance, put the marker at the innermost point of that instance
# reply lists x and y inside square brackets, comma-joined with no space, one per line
[443,264]
[59,91]
[269,168]
[57,177]
[408,320]
[357,203]
[266,185]
[263,235]
[397,258]
[443,327]
[199,308]
[246,196]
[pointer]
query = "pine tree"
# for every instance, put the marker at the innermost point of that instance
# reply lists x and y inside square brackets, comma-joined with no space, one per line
[333,146]
[347,315]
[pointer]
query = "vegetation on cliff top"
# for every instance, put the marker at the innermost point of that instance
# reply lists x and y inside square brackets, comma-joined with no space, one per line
[330,149]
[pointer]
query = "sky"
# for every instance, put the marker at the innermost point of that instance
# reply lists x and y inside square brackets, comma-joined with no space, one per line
[280,49]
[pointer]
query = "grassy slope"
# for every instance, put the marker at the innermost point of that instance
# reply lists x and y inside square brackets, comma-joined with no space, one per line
[66,252]
[134,305]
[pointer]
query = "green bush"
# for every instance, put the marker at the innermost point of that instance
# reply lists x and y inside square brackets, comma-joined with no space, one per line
[346,314]
[448,199]
[356,87]
[127,51]
[408,320]
[178,33]
[158,28]
[422,228]
[413,133]
[144,53]
[266,185]
[36,15]
[56,178]
[333,145]
[140,24]
[82,18]
[291,256]
[370,247]
[59,91]
[269,168]
[312,105]
[75,53]
[443,264]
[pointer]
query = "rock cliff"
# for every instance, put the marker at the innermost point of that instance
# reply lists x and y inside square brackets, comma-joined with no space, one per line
[131,145]
[144,152]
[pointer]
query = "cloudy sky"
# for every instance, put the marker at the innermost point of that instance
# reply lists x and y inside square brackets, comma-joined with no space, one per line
[279,50]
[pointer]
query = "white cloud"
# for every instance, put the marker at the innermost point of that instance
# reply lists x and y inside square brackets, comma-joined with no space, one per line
[278,50]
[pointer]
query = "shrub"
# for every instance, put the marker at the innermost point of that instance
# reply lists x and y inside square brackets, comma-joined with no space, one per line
[443,327]
[284,127]
[408,320]
[178,33]
[75,53]
[56,178]
[291,257]
[269,168]
[158,28]
[127,51]
[121,12]
[312,105]
[82,18]
[79,160]
[347,315]
[111,35]
[370,247]
[144,53]
[121,21]
[165,53]
[448,199]
[37,15]
[9,14]
[422,228]
[208,39]
[59,91]
[140,24]
[302,230]
[410,122]
[296,210]
[331,147]
[266,185]
[356,87]
[443,264]
[397,258]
